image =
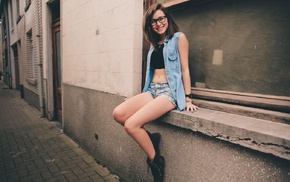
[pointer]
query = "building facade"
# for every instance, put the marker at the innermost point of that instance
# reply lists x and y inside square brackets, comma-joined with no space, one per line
[77,60]
[30,52]
[21,48]
[103,64]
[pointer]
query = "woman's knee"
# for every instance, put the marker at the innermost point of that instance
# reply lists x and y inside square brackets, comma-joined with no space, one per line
[130,128]
[118,115]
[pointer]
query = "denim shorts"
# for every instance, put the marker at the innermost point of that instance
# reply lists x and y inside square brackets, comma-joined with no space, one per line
[161,89]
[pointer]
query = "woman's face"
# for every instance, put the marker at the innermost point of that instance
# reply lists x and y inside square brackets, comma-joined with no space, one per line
[159,22]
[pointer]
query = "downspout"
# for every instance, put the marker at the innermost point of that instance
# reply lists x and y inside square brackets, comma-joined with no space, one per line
[8,44]
[39,64]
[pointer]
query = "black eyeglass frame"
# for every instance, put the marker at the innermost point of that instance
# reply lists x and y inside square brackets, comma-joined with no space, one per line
[160,19]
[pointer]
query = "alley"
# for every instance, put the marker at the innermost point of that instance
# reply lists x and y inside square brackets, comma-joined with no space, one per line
[34,149]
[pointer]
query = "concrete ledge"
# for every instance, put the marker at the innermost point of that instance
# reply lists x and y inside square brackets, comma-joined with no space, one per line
[264,114]
[258,134]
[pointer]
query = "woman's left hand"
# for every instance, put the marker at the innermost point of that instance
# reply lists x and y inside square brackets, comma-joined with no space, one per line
[191,107]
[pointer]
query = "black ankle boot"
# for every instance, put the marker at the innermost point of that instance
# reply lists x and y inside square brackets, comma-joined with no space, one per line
[155,139]
[157,167]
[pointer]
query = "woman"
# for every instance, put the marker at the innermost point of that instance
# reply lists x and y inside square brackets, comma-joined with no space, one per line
[167,85]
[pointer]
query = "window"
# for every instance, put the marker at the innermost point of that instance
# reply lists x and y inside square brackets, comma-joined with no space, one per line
[27,4]
[18,17]
[30,59]
[11,15]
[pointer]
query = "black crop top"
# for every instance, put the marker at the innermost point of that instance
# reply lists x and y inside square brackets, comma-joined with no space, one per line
[157,59]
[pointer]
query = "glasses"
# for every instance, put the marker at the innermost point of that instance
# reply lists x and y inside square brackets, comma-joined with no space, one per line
[161,19]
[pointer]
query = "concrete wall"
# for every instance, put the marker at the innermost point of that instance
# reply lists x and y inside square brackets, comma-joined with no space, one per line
[190,156]
[102,45]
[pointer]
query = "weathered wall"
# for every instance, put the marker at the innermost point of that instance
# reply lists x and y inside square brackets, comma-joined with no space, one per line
[102,45]
[189,156]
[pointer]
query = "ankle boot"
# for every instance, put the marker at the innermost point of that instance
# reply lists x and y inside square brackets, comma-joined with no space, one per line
[157,168]
[155,139]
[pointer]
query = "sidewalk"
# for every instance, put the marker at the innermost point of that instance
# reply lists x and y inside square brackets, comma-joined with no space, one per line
[34,149]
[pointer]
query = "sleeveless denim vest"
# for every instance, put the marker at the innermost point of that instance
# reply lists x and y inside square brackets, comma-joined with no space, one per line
[173,70]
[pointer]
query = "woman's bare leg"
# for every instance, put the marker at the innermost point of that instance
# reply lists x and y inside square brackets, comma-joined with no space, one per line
[149,112]
[126,109]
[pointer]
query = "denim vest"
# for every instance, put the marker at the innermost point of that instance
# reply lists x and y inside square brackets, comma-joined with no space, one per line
[173,70]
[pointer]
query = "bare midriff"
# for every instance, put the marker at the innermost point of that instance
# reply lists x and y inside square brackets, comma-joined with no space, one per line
[159,76]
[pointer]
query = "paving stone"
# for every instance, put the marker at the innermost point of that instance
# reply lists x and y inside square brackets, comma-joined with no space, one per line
[37,179]
[75,160]
[3,178]
[31,177]
[89,159]
[12,177]
[68,167]
[26,156]
[53,169]
[2,170]
[71,154]
[103,171]
[46,175]
[34,149]
[97,178]
[60,163]
[31,167]
[111,178]
[87,179]
[39,170]
[58,178]
[71,176]
[77,171]
[39,162]
[63,180]
[83,165]
[22,173]
[87,174]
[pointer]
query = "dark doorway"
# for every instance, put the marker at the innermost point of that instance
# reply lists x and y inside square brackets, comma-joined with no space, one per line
[57,80]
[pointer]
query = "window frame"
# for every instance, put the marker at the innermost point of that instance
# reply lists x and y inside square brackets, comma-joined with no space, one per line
[12,20]
[27,4]
[30,56]
[18,17]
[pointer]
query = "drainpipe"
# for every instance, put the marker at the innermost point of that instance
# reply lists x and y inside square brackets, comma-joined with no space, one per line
[39,64]
[8,44]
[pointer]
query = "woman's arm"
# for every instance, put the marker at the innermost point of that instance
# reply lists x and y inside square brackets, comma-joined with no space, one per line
[183,48]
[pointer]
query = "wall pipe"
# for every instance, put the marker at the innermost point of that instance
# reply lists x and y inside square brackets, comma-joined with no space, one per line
[6,12]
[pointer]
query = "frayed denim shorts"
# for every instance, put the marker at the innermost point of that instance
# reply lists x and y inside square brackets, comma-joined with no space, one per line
[161,89]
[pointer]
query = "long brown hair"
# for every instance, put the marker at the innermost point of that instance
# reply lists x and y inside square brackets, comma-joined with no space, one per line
[149,33]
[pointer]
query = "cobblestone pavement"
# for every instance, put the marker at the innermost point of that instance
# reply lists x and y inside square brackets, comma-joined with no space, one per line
[34,149]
